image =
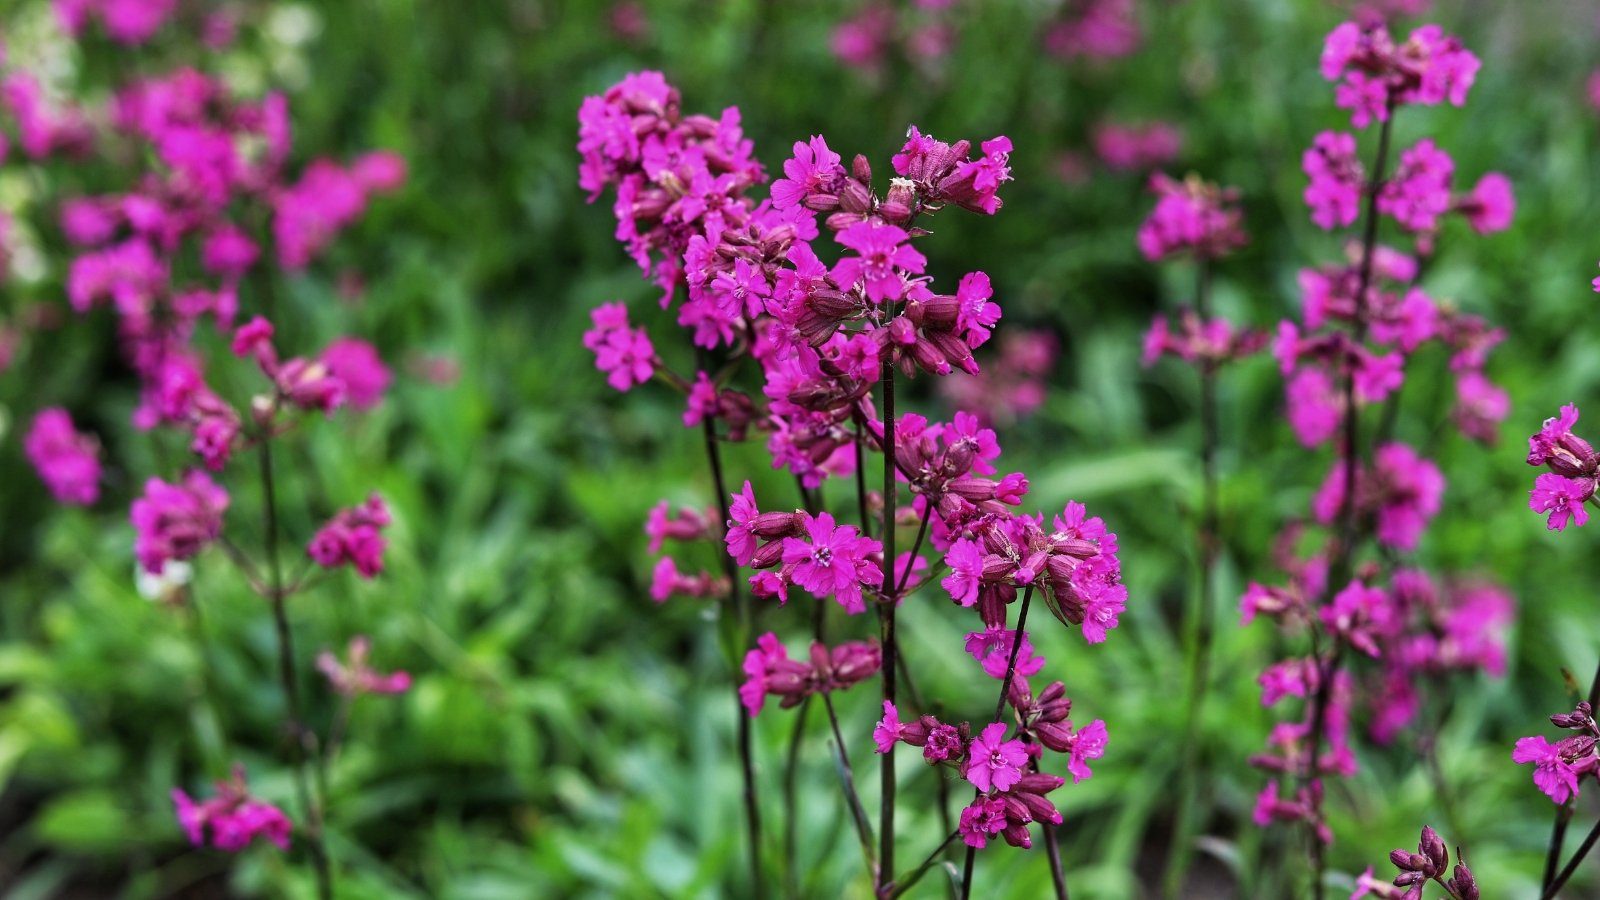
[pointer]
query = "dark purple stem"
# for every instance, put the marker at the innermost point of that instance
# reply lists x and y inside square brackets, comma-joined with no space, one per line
[886,613]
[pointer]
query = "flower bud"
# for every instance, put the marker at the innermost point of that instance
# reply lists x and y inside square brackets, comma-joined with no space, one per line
[861,169]
[1432,846]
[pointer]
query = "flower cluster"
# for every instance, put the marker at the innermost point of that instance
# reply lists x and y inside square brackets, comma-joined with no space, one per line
[1376,74]
[353,537]
[1136,147]
[67,460]
[232,819]
[1095,29]
[130,22]
[356,676]
[814,552]
[1193,217]
[1558,768]
[1205,343]
[1565,491]
[177,521]
[1430,862]
[1013,385]
[769,670]
[1010,788]
[921,33]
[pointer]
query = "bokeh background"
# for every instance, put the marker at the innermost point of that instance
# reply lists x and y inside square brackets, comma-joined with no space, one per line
[568,737]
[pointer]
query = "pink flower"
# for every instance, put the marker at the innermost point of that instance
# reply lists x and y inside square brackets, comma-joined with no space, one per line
[814,170]
[992,648]
[229,252]
[233,817]
[67,461]
[176,521]
[625,355]
[993,762]
[1191,216]
[1088,743]
[976,314]
[1419,192]
[889,729]
[984,818]
[741,515]
[1563,498]
[1491,205]
[353,536]
[1360,614]
[834,561]
[965,559]
[1411,488]
[1551,773]
[769,652]
[357,677]
[882,256]
[1334,193]
[356,363]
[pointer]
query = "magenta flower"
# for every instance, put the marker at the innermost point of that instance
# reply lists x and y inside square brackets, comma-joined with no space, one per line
[994,762]
[742,291]
[992,648]
[1101,611]
[965,559]
[1491,205]
[984,818]
[354,537]
[882,257]
[1551,772]
[1088,743]
[1313,405]
[740,540]
[1412,487]
[889,729]
[1190,216]
[357,677]
[814,170]
[1337,180]
[356,363]
[834,561]
[976,313]
[1563,498]
[229,252]
[233,817]
[1419,192]
[67,460]
[624,354]
[176,521]
[769,652]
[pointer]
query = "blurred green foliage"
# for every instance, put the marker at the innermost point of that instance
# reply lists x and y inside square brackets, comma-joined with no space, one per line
[566,736]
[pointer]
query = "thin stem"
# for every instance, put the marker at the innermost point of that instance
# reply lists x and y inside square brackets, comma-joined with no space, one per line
[861,480]
[916,545]
[886,615]
[1572,865]
[741,608]
[291,689]
[1058,878]
[901,885]
[1201,625]
[791,834]
[941,786]
[858,813]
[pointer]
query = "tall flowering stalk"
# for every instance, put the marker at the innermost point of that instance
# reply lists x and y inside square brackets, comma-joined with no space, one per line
[1362,321]
[755,286]
[1195,219]
[174,255]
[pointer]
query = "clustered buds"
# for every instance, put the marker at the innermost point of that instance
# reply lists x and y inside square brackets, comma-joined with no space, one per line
[1430,862]
[1566,489]
[769,670]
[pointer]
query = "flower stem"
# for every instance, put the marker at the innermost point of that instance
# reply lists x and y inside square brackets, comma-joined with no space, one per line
[901,885]
[741,609]
[791,834]
[1201,625]
[847,776]
[1058,878]
[886,613]
[1572,865]
[298,734]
